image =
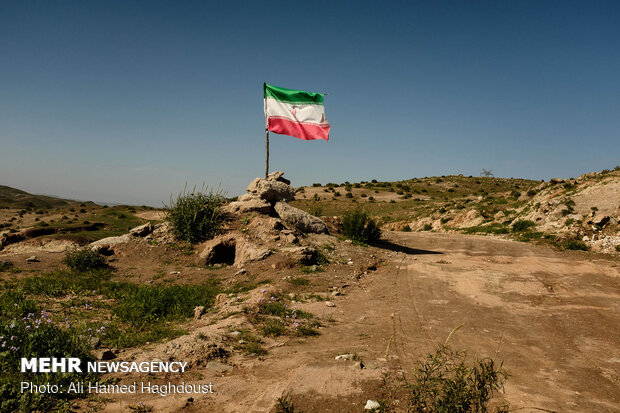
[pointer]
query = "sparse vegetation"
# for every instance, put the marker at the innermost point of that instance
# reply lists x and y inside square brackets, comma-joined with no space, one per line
[85,259]
[195,216]
[522,225]
[444,382]
[575,245]
[357,226]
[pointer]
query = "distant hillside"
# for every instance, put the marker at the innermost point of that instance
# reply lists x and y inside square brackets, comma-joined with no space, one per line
[15,198]
[581,213]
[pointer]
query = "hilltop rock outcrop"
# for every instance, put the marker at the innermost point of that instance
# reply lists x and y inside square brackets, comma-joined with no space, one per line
[269,196]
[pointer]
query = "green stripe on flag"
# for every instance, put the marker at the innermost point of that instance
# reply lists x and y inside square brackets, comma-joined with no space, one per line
[292,96]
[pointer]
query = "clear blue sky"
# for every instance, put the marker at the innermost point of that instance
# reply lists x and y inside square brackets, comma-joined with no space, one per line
[127,101]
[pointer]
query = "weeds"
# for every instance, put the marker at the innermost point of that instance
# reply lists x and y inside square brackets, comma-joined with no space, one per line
[195,216]
[444,382]
[82,260]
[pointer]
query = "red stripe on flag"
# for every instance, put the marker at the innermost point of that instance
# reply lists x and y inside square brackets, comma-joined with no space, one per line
[303,131]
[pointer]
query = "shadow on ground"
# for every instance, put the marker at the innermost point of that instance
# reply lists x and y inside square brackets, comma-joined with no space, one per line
[387,245]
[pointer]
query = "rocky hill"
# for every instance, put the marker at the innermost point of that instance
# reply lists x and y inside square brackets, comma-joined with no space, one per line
[579,213]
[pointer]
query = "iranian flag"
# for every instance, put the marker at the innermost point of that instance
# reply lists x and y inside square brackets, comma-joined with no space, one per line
[295,113]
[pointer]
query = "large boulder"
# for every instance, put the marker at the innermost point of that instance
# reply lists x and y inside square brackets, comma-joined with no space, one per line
[274,188]
[106,246]
[272,191]
[248,204]
[301,220]
[142,230]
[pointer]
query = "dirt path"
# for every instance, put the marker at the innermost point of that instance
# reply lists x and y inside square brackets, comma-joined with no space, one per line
[552,318]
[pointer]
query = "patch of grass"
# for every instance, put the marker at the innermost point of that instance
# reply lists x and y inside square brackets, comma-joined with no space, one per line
[299,281]
[14,305]
[195,216]
[60,283]
[522,225]
[156,303]
[7,266]
[305,331]
[310,269]
[530,236]
[444,382]
[84,260]
[273,327]
[576,245]
[35,335]
[618,248]
[495,228]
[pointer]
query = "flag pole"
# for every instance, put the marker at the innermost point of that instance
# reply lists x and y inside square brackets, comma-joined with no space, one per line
[267,148]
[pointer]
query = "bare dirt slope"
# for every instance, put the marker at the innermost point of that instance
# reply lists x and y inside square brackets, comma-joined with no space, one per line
[551,316]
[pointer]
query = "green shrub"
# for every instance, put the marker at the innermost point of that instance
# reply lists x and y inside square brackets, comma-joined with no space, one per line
[85,259]
[357,226]
[195,216]
[444,382]
[315,209]
[428,227]
[348,195]
[618,248]
[406,228]
[575,245]
[522,225]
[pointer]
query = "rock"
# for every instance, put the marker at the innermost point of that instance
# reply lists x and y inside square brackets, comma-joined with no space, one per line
[245,197]
[32,259]
[218,366]
[277,176]
[301,220]
[234,334]
[252,204]
[247,252]
[335,293]
[240,272]
[346,356]
[106,246]
[272,191]
[290,238]
[556,180]
[220,299]
[198,312]
[330,304]
[499,215]
[142,230]
[602,222]
[372,405]
[303,255]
